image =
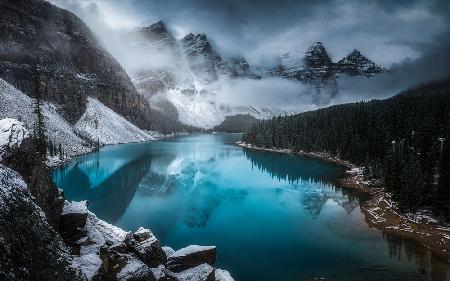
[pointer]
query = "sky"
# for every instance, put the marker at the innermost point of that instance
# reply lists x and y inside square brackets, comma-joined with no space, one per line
[410,37]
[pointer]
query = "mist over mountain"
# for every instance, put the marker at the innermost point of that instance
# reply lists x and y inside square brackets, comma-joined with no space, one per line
[200,73]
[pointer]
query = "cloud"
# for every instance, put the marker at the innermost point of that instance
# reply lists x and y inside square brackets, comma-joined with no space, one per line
[410,37]
[259,30]
[273,92]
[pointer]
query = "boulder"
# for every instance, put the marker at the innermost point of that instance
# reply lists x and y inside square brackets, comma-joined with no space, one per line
[202,272]
[118,263]
[73,220]
[147,248]
[190,257]
[136,270]
[114,259]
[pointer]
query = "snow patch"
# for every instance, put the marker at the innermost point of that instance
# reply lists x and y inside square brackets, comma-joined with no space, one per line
[75,207]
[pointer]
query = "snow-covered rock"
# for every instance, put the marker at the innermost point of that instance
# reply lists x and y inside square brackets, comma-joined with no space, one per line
[12,133]
[191,256]
[202,272]
[146,247]
[99,123]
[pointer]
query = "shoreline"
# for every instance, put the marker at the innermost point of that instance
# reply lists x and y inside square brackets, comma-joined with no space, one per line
[380,211]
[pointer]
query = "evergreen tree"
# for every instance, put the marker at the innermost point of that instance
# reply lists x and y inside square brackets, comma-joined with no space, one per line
[60,152]
[40,131]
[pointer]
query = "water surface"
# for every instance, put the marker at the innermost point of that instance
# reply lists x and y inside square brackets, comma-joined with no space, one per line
[273,217]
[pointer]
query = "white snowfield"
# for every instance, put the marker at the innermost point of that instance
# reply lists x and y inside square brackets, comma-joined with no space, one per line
[112,128]
[9,183]
[12,133]
[103,124]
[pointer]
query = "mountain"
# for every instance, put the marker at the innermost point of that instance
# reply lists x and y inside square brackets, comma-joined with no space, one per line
[184,88]
[316,69]
[356,64]
[201,57]
[158,35]
[48,49]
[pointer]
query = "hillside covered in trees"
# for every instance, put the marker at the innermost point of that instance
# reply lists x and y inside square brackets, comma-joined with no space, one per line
[235,124]
[403,141]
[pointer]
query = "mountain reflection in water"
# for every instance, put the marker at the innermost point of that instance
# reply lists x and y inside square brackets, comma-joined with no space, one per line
[263,210]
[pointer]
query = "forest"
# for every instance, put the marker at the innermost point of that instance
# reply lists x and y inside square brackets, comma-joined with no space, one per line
[403,142]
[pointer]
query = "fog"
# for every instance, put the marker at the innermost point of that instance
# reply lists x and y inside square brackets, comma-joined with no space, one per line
[411,38]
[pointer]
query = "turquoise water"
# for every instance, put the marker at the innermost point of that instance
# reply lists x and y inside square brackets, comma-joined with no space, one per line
[273,217]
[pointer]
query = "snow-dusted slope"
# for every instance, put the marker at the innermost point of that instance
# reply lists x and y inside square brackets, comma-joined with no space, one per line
[78,139]
[103,124]
[12,133]
[15,104]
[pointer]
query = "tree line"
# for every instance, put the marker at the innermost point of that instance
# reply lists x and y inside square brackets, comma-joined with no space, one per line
[403,142]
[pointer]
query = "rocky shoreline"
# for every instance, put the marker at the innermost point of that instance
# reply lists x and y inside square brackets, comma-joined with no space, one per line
[380,211]
[44,237]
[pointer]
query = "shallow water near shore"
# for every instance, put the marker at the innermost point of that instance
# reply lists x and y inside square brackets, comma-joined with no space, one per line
[272,216]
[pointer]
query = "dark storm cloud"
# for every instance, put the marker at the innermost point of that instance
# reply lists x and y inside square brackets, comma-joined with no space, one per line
[387,31]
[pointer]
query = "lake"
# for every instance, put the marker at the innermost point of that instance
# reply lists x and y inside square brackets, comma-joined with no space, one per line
[272,216]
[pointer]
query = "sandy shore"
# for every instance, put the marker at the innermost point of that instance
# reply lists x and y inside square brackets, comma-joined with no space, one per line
[381,212]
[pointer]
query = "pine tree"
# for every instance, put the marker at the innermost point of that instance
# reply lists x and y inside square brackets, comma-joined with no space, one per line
[60,152]
[40,131]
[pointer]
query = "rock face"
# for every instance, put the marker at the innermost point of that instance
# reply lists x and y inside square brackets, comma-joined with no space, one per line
[71,225]
[29,247]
